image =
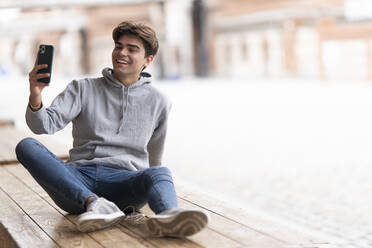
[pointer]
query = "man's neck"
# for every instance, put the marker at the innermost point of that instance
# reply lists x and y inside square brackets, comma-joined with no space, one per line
[127,81]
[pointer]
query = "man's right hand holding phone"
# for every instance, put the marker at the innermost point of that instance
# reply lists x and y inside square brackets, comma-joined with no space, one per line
[37,87]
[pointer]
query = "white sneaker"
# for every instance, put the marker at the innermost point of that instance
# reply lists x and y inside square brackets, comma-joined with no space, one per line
[100,214]
[177,223]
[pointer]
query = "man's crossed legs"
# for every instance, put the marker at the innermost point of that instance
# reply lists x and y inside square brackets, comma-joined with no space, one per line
[100,193]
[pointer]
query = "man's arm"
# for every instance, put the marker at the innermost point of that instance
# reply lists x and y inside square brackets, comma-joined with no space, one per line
[155,147]
[65,107]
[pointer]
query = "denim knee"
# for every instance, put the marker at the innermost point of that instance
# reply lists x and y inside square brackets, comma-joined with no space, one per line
[159,173]
[162,195]
[23,146]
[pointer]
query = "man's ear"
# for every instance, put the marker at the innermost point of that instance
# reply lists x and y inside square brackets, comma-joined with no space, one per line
[149,59]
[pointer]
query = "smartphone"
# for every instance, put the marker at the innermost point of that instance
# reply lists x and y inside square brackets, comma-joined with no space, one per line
[45,56]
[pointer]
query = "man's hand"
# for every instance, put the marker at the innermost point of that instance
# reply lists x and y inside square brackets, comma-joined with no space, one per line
[36,87]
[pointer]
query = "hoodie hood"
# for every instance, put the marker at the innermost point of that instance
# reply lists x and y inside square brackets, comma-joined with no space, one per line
[145,78]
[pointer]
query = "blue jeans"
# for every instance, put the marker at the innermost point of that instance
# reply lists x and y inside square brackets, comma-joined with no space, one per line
[69,185]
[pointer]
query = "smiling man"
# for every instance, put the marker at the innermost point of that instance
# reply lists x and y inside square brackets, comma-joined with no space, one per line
[119,127]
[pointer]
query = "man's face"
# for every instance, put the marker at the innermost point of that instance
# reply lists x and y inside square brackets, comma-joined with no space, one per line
[128,57]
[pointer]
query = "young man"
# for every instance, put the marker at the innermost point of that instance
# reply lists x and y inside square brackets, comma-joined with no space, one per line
[119,127]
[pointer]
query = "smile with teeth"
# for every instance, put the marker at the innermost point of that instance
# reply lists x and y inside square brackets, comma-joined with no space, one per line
[121,61]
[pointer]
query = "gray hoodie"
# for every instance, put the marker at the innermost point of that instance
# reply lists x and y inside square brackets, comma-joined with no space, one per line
[112,124]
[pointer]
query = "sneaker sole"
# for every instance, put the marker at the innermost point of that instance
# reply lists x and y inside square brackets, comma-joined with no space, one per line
[97,222]
[182,224]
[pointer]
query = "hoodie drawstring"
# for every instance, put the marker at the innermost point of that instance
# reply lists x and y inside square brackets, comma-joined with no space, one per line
[144,78]
[124,107]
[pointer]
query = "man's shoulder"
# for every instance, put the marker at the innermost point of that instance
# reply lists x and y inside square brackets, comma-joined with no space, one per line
[91,80]
[158,94]
[88,81]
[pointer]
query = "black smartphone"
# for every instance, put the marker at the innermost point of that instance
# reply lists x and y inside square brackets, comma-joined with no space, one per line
[45,56]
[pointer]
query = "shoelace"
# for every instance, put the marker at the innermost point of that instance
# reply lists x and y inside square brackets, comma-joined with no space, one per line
[92,205]
[134,218]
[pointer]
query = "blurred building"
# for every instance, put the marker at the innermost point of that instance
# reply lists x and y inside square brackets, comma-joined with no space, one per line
[280,38]
[81,32]
[245,38]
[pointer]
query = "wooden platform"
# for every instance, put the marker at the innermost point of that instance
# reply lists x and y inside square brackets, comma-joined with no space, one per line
[9,138]
[29,218]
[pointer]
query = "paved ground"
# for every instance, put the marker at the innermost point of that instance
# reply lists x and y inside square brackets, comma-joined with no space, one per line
[298,152]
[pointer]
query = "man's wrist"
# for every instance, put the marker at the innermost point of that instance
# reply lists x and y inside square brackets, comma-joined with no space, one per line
[35,108]
[34,101]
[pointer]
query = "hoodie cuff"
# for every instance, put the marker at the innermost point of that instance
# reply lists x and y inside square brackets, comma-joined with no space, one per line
[35,114]
[33,108]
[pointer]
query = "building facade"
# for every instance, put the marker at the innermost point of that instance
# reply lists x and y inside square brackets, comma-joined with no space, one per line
[242,38]
[289,38]
[82,34]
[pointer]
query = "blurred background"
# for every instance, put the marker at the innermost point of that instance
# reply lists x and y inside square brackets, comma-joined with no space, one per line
[271,98]
[264,39]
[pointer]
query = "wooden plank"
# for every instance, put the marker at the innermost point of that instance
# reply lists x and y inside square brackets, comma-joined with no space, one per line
[117,238]
[10,138]
[6,123]
[6,152]
[230,230]
[8,144]
[57,227]
[112,237]
[233,230]
[206,238]
[285,234]
[222,232]
[6,240]
[17,228]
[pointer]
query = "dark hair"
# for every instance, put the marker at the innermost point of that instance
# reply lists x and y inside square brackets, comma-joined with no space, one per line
[144,32]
